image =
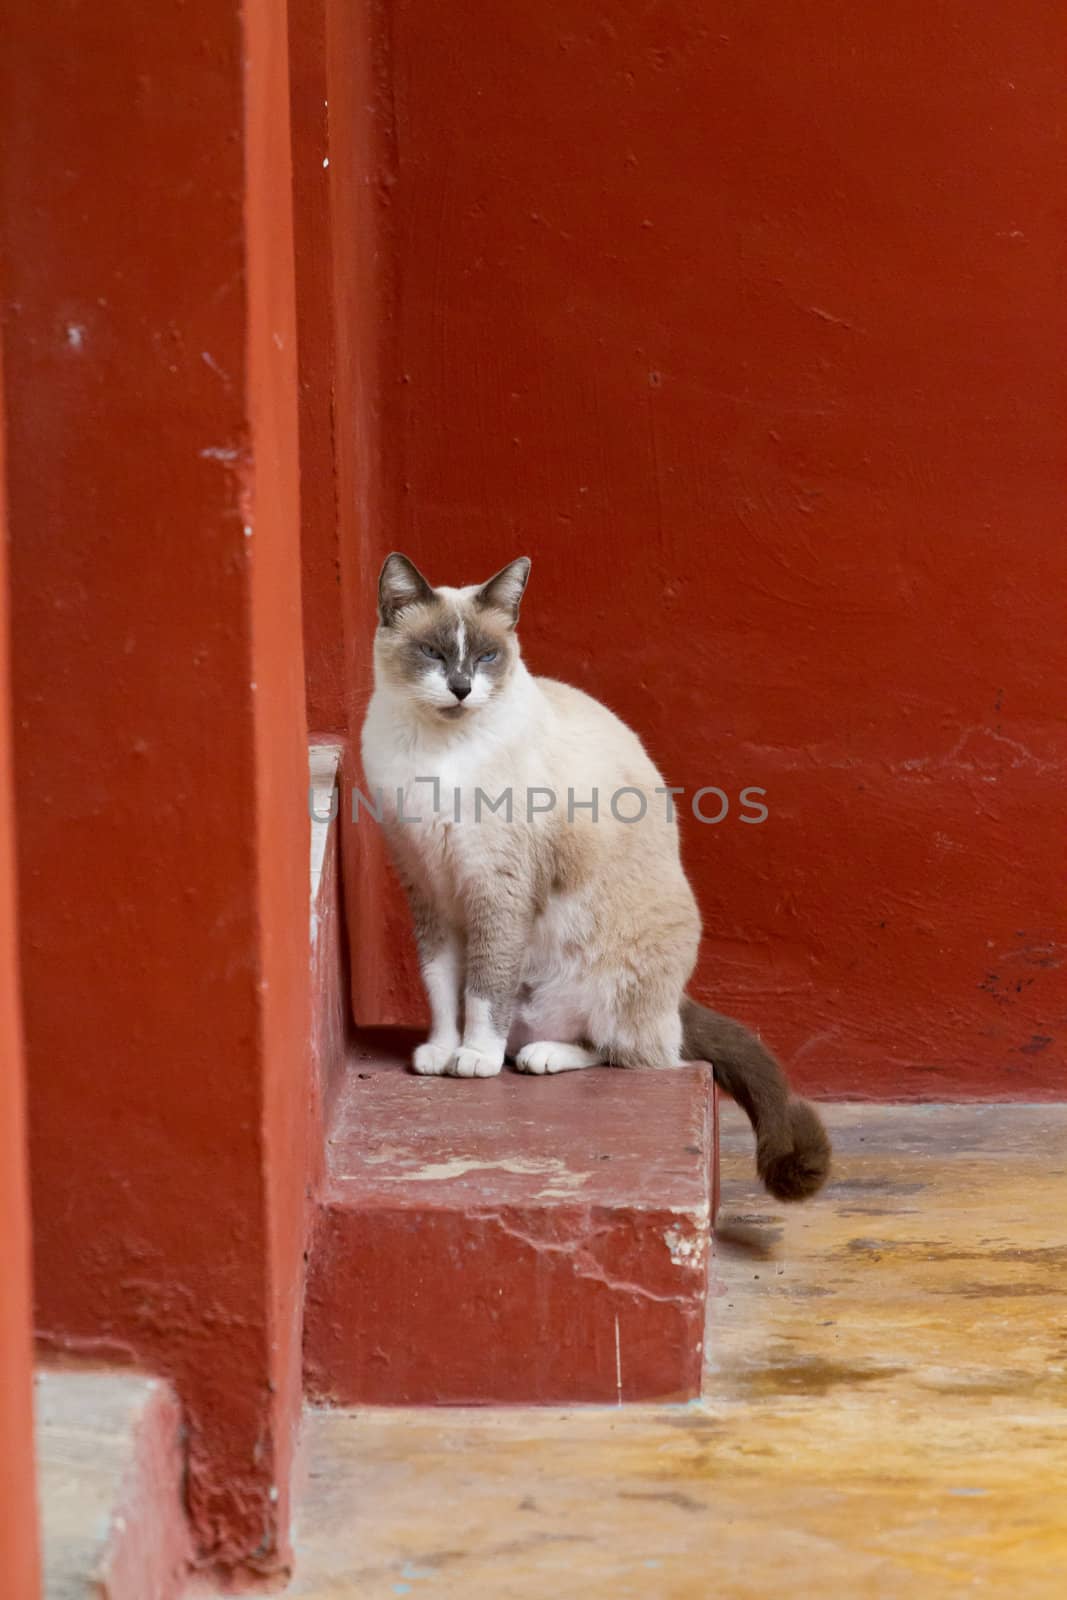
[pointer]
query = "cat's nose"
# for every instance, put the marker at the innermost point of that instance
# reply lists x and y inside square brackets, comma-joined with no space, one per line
[460,687]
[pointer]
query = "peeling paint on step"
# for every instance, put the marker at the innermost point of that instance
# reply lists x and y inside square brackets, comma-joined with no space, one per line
[686,1249]
[441,1171]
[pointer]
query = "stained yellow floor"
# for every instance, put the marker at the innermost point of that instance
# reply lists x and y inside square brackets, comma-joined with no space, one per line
[884,1411]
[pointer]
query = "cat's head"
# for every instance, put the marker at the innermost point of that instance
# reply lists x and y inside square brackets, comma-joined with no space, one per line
[449,651]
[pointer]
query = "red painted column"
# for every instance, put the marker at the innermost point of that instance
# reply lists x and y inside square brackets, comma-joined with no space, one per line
[19,1574]
[160,734]
[364,166]
[344,177]
[321,560]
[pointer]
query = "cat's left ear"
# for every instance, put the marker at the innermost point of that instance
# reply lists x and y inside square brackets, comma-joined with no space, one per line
[400,584]
[504,590]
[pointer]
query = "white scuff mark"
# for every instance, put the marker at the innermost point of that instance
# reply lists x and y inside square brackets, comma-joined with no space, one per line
[686,1249]
[838,322]
[75,335]
[278,340]
[618,1363]
[209,361]
[963,759]
[219,452]
[459,1166]
[822,1037]
[326,161]
[247,530]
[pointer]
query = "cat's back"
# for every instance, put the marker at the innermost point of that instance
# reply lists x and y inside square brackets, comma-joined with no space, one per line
[592,734]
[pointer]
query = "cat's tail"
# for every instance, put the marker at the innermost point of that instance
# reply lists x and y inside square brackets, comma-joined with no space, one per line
[792,1145]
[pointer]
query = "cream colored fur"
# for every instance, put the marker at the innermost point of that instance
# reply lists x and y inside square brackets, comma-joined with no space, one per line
[561,942]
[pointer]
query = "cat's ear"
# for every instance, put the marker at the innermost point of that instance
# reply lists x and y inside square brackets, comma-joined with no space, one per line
[504,590]
[400,584]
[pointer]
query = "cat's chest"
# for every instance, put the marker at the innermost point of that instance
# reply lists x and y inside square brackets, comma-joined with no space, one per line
[413,781]
[425,790]
[425,798]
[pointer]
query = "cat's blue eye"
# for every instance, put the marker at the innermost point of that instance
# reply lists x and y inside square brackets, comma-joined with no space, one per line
[488,655]
[428,650]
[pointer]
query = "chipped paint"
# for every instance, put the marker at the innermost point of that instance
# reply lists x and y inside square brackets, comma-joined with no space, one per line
[686,1249]
[442,1171]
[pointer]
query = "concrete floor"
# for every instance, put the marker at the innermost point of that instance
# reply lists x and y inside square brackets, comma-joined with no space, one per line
[884,1411]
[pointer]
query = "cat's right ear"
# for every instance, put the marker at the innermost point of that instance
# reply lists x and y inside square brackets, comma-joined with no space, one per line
[505,588]
[400,584]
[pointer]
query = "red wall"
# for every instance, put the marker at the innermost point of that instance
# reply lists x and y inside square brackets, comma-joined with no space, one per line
[747,323]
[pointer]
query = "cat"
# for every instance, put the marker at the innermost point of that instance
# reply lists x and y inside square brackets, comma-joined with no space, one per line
[550,930]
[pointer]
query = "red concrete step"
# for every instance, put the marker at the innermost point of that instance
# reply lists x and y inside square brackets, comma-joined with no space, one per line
[514,1239]
[111,1476]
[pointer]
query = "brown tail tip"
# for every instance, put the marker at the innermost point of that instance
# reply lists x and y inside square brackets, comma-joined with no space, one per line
[800,1171]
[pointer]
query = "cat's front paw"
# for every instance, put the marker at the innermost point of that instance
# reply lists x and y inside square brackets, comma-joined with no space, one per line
[432,1059]
[466,1063]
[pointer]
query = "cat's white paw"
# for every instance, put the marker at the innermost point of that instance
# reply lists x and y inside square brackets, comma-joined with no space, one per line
[432,1059]
[546,1055]
[466,1063]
